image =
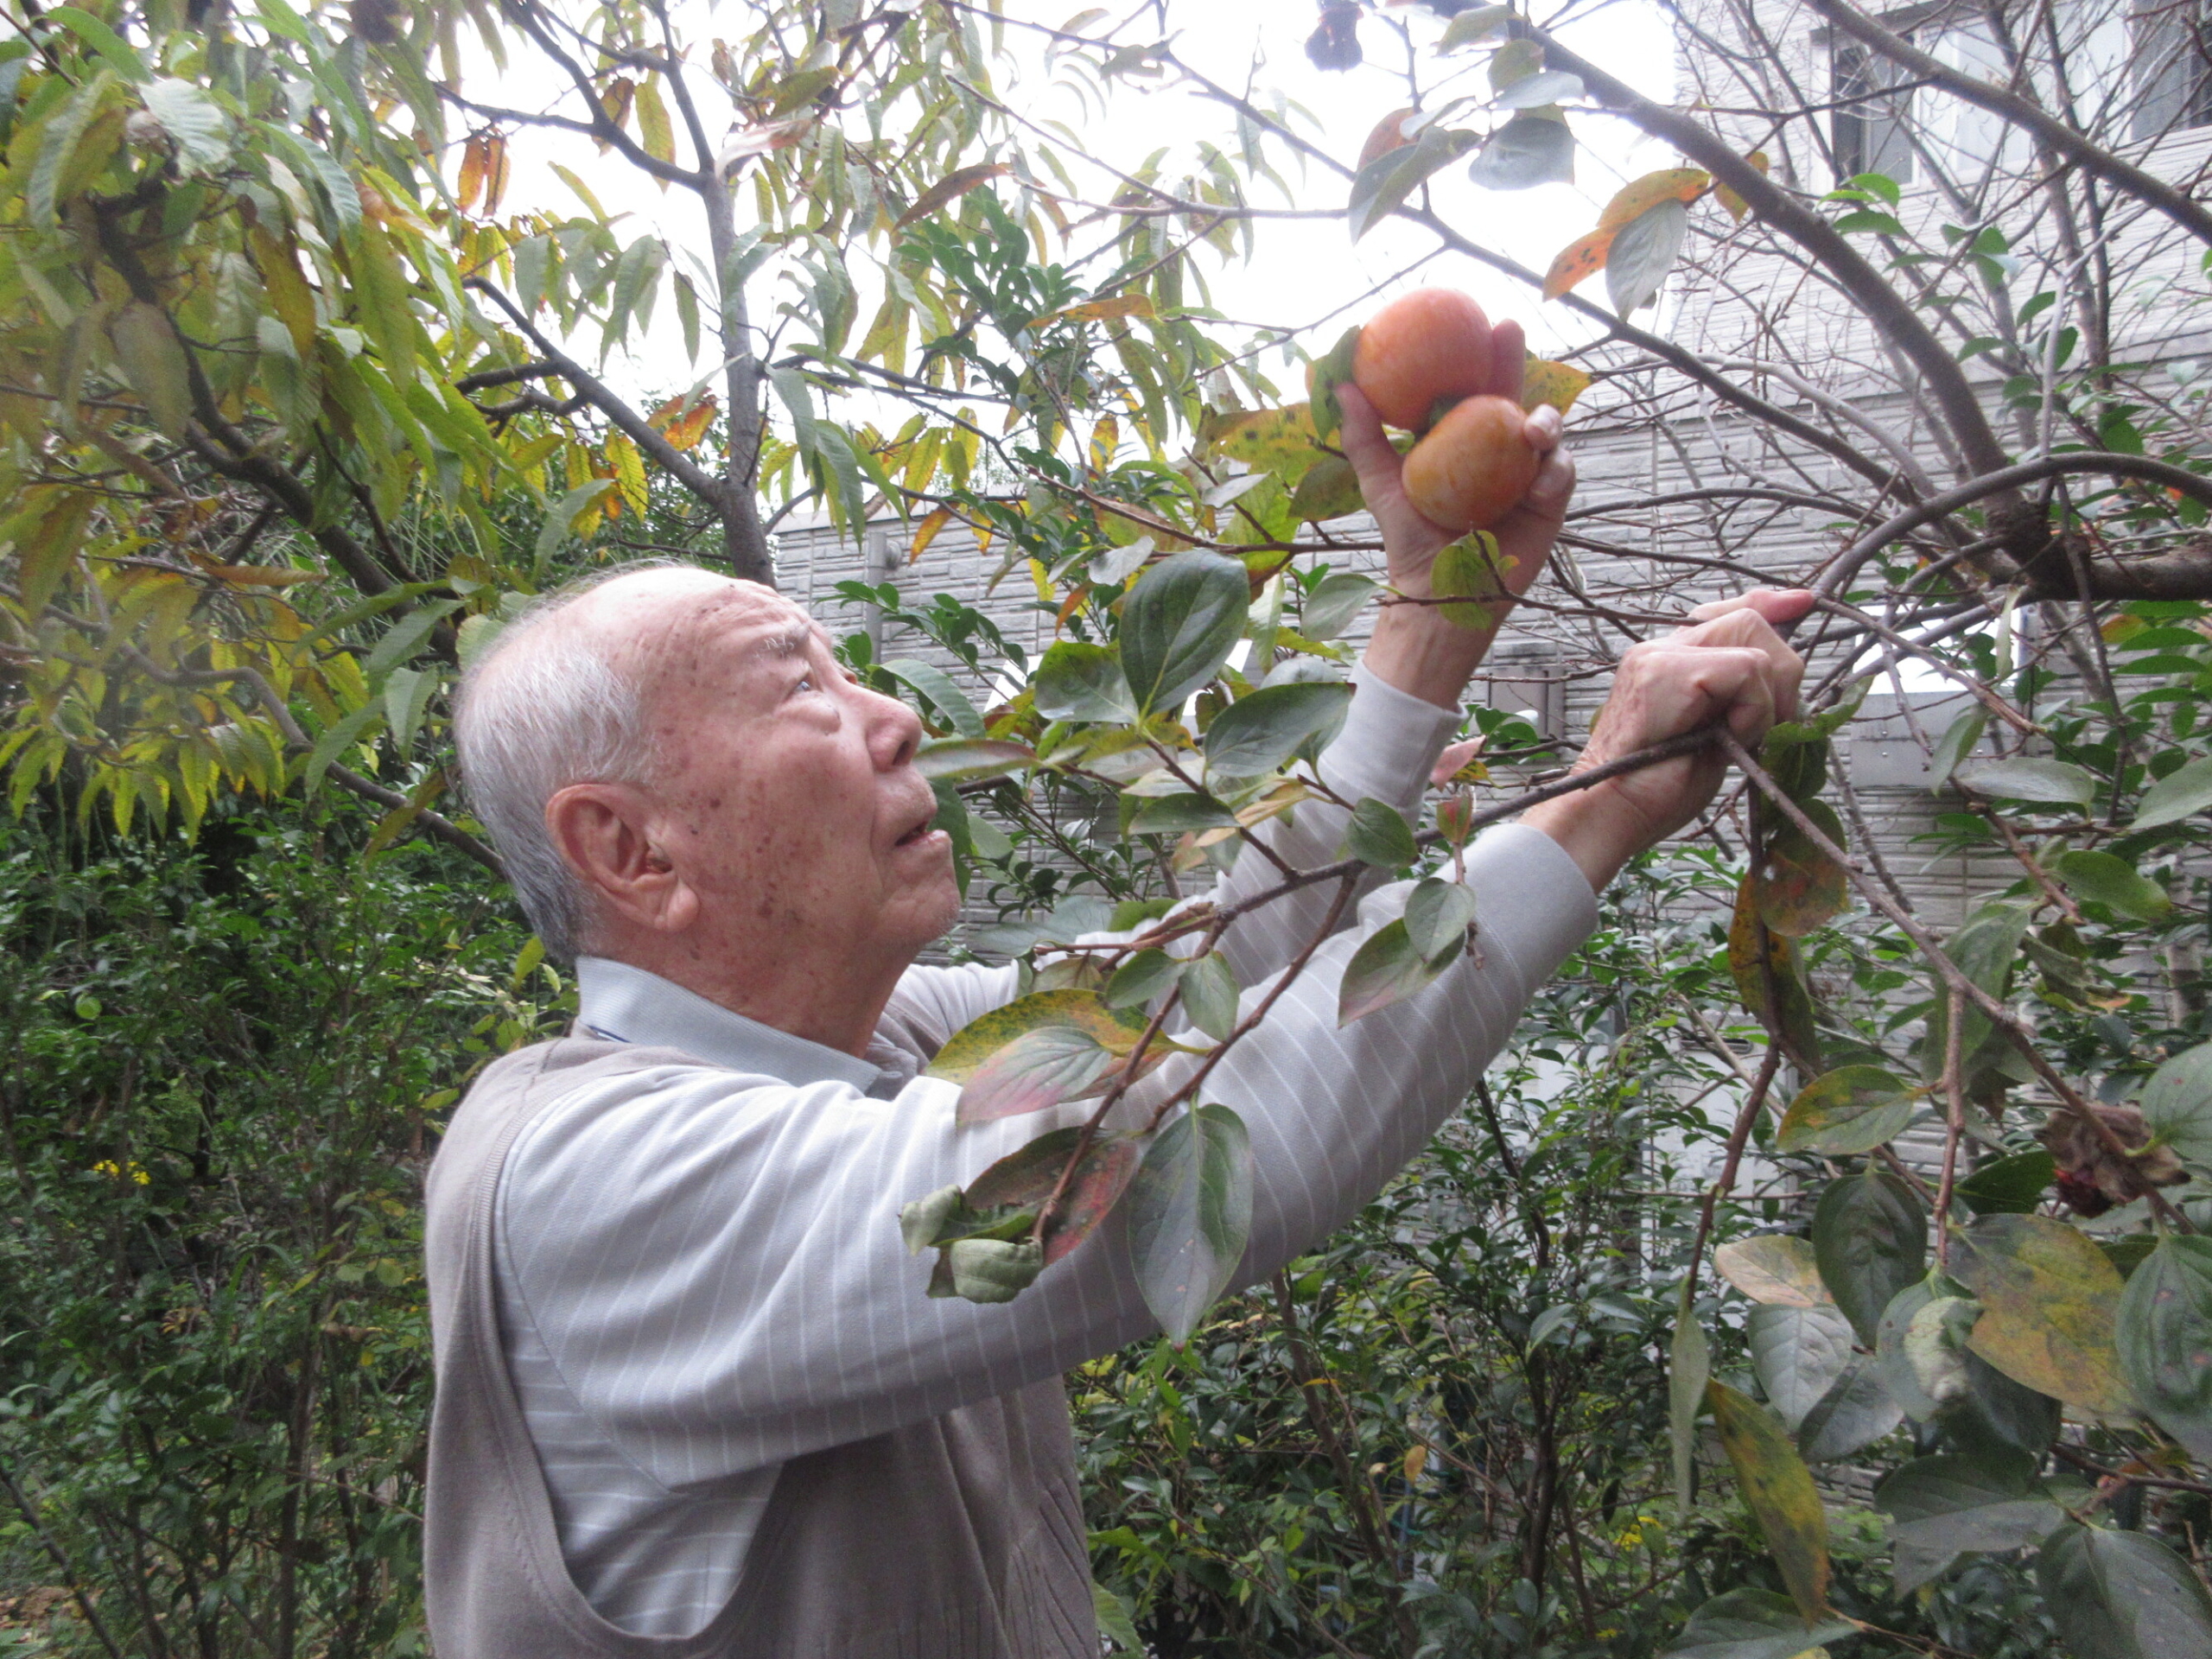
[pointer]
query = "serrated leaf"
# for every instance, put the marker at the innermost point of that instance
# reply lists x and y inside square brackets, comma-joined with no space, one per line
[2028,778]
[1642,252]
[1386,968]
[1178,625]
[2048,1298]
[193,121]
[1266,728]
[1870,1237]
[1190,1212]
[1778,1489]
[153,359]
[1531,148]
[2122,1595]
[1846,1112]
[1776,1270]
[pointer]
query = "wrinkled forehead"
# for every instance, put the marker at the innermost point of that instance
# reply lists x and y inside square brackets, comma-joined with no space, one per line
[691,628]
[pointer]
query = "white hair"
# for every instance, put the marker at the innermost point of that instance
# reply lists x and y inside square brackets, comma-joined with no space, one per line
[539,707]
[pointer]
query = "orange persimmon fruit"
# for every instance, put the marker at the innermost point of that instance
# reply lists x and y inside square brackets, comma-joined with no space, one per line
[1425,348]
[1473,466]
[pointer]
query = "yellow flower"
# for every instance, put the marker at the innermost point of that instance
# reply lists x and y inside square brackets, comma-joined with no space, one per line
[135,1172]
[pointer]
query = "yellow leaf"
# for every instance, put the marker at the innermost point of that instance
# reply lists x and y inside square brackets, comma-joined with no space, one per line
[1639,196]
[949,188]
[616,102]
[1778,1489]
[1735,204]
[1416,1460]
[1778,1270]
[471,185]
[288,293]
[655,130]
[1278,441]
[967,1049]
[1556,384]
[154,361]
[1582,257]
[2048,1300]
[925,533]
[495,171]
[629,473]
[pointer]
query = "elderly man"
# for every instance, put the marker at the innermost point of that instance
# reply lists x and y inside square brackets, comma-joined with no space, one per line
[691,1398]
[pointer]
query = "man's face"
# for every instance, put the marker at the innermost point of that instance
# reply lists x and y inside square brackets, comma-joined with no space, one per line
[787,795]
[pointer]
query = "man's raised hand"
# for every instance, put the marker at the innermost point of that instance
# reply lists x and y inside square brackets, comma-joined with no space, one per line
[1728,666]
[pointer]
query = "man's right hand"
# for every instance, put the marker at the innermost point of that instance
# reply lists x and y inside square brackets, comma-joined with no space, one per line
[1729,665]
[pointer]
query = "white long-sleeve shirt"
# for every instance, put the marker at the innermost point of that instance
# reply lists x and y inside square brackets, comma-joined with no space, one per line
[700,1269]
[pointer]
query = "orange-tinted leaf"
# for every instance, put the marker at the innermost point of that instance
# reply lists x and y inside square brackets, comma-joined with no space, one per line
[473,163]
[1800,888]
[1556,384]
[1584,257]
[495,171]
[1389,134]
[1024,1180]
[1778,1489]
[951,188]
[925,533]
[1639,196]
[683,420]
[1735,204]
[760,139]
[1792,1013]
[616,102]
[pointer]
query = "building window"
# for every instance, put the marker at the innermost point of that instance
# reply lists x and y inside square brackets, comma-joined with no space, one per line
[1869,132]
[2172,68]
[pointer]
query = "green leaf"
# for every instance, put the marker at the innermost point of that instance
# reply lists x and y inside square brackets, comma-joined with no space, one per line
[2011,1186]
[2164,1339]
[1438,915]
[1035,1072]
[562,518]
[112,48]
[1902,1348]
[193,121]
[1178,625]
[1190,1214]
[1515,61]
[797,398]
[406,639]
[1322,419]
[1076,680]
[1800,888]
[153,359]
[1378,834]
[2029,778]
[1986,950]
[1689,1368]
[1791,1012]
[334,742]
[1778,1489]
[1382,186]
[1472,569]
[1644,252]
[970,759]
[936,685]
[1266,728]
[2049,1297]
[1329,489]
[2177,1104]
[1476,24]
[1754,1624]
[1774,1269]
[1797,1353]
[1960,738]
[2122,1595]
[1115,1625]
[1854,1414]
[2100,878]
[1870,1237]
[2176,796]
[922,1222]
[1209,995]
[1386,968]
[1547,87]
[57,145]
[1175,815]
[1143,977]
[1944,1506]
[1332,602]
[1532,148]
[1847,1111]
[993,1270]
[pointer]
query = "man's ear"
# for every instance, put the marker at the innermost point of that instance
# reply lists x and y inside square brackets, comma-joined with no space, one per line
[604,833]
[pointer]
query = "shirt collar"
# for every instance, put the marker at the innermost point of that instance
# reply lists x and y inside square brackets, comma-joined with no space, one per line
[628,1005]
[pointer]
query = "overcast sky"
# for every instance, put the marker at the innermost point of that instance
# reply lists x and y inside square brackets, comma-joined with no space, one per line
[1304,269]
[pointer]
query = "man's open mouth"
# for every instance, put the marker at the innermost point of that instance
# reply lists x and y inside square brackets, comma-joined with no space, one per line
[920,830]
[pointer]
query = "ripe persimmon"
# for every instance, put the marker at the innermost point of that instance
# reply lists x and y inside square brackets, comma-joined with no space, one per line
[1474,466]
[1428,348]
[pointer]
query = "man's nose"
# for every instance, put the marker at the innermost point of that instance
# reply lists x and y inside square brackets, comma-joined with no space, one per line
[894,731]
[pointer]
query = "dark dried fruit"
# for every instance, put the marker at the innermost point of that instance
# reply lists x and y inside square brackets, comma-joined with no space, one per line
[1335,45]
[2093,1175]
